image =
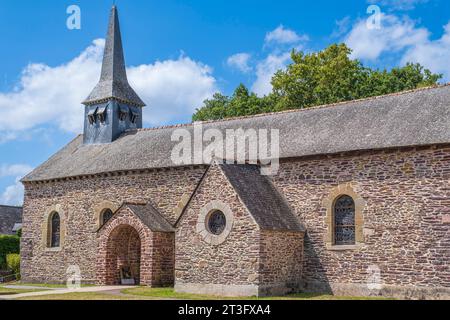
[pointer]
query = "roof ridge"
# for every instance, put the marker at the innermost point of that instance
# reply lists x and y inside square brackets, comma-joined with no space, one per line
[324,106]
[8,206]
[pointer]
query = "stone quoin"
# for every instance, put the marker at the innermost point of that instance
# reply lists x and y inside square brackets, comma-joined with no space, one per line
[362,192]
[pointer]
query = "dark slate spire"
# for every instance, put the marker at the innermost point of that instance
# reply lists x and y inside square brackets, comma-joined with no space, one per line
[113,82]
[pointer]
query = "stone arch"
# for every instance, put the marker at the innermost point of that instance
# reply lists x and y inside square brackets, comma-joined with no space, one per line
[123,240]
[46,227]
[329,202]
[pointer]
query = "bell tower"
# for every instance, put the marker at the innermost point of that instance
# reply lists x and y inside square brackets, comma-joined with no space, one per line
[113,106]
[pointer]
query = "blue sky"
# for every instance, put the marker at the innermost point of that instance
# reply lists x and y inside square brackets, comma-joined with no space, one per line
[179,53]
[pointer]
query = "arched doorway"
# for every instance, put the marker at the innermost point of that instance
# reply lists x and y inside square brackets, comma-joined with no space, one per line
[127,240]
[123,255]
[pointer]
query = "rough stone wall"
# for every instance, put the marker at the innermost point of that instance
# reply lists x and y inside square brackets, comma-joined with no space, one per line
[78,198]
[163,259]
[233,262]
[407,204]
[281,256]
[406,218]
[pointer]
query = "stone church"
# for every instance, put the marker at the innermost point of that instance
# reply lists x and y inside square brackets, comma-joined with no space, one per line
[360,204]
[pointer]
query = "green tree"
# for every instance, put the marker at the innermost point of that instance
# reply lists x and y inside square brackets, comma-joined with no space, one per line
[213,109]
[241,103]
[331,76]
[324,77]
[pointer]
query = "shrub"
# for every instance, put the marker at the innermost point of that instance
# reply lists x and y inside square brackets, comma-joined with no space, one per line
[13,263]
[8,245]
[19,233]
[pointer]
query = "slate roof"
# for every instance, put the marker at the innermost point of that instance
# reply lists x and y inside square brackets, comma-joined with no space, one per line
[150,217]
[113,81]
[414,118]
[9,218]
[267,206]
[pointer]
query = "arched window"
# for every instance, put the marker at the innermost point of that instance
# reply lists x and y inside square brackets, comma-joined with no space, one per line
[106,215]
[344,221]
[55,230]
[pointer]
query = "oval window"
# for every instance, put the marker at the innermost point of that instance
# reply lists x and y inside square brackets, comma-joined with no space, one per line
[216,222]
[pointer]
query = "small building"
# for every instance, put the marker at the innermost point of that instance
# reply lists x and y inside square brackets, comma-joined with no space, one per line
[10,220]
[360,203]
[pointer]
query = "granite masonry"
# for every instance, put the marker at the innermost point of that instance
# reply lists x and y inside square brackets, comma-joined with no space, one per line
[360,203]
[245,259]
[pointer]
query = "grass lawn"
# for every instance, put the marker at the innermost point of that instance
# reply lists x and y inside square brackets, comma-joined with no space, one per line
[5,291]
[169,293]
[80,296]
[45,285]
[145,293]
[312,296]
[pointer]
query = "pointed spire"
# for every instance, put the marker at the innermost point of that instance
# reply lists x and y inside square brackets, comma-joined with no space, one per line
[113,81]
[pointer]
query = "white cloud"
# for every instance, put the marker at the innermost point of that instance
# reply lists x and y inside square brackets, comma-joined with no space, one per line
[281,41]
[401,38]
[13,194]
[342,27]
[434,55]
[402,5]
[281,35]
[8,136]
[395,35]
[173,89]
[42,134]
[265,71]
[240,61]
[53,95]
[14,170]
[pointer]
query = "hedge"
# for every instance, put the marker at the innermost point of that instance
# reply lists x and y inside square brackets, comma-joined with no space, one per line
[8,244]
[13,263]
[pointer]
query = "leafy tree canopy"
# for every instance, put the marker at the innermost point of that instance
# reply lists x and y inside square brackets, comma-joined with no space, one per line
[325,77]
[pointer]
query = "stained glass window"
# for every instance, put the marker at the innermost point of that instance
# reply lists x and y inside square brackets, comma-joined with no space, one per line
[344,221]
[217,222]
[55,231]
[107,214]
